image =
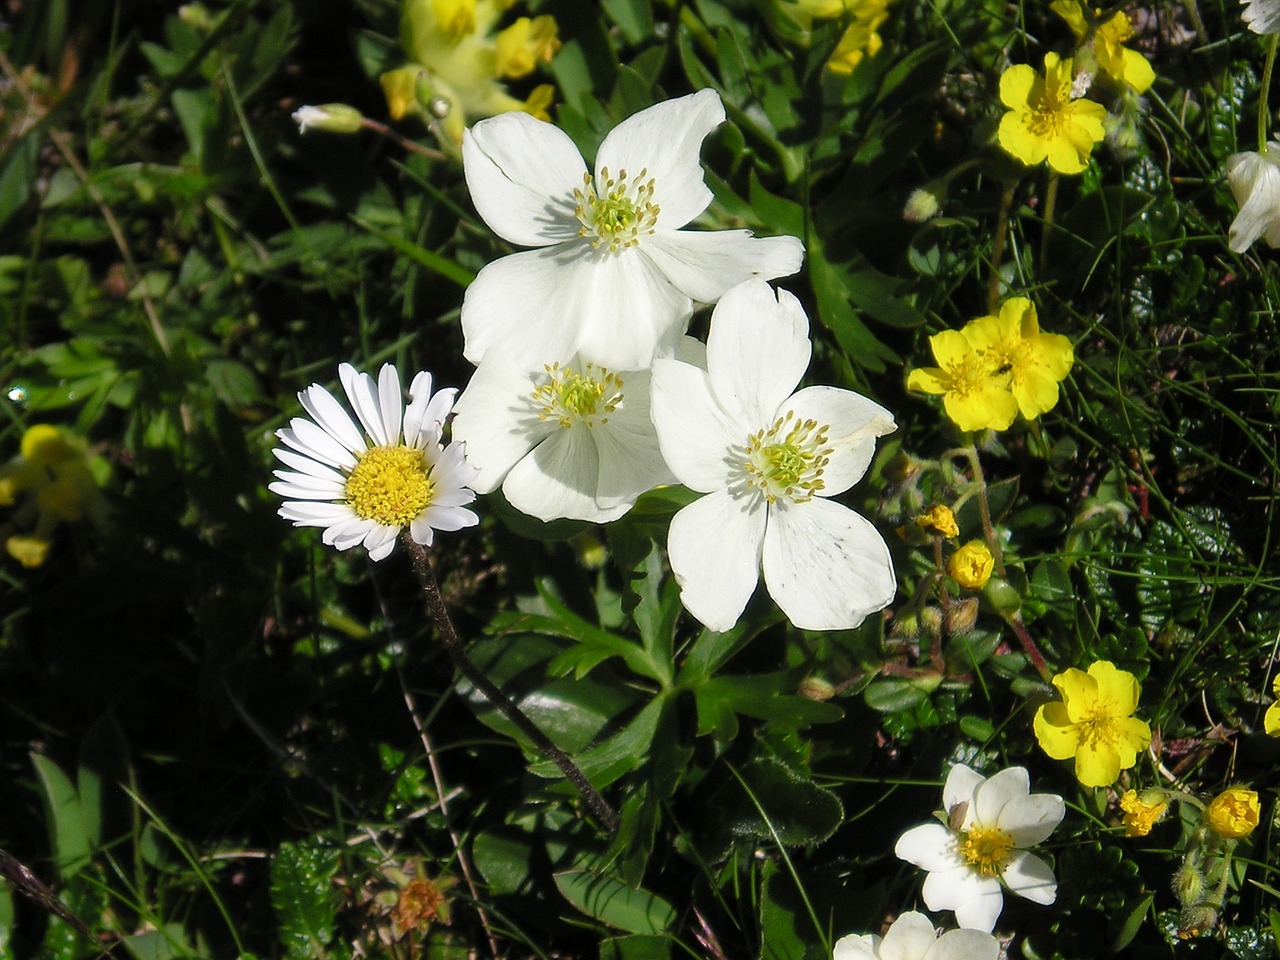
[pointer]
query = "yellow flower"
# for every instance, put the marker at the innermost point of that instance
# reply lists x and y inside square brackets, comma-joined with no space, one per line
[860,39]
[939,519]
[1271,721]
[1141,811]
[1037,362]
[1233,813]
[1093,723]
[975,394]
[1044,122]
[48,483]
[525,44]
[1114,59]
[28,551]
[971,565]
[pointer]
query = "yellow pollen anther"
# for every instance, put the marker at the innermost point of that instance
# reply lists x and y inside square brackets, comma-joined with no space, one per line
[617,211]
[389,485]
[568,396]
[986,849]
[787,459]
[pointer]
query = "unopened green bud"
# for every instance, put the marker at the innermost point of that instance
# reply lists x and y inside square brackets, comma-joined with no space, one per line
[196,16]
[905,626]
[931,621]
[961,616]
[815,688]
[330,117]
[900,468]
[1188,884]
[1001,595]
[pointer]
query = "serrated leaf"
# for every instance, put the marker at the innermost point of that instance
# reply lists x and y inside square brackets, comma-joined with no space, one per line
[304,897]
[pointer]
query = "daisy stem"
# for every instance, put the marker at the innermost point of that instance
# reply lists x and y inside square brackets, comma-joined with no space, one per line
[1264,94]
[440,614]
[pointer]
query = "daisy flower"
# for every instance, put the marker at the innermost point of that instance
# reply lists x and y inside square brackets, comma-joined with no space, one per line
[613,278]
[982,847]
[912,937]
[769,461]
[364,487]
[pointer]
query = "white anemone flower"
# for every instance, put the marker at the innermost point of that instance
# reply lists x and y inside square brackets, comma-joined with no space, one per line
[1262,16]
[912,937]
[983,846]
[572,440]
[769,460]
[613,277]
[363,488]
[1254,179]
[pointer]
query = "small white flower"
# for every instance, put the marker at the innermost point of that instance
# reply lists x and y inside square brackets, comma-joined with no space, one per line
[571,440]
[990,824]
[613,278]
[1254,179]
[769,460]
[912,937]
[365,488]
[1262,16]
[332,117]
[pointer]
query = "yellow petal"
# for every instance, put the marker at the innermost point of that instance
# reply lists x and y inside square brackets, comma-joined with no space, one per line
[1056,734]
[1017,139]
[1117,690]
[1069,10]
[1079,693]
[1016,83]
[1136,71]
[1271,722]
[1097,764]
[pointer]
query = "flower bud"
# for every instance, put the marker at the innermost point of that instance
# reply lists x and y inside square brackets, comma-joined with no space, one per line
[815,688]
[1233,813]
[330,117]
[1142,811]
[931,622]
[971,565]
[901,467]
[961,616]
[1188,884]
[905,626]
[1002,595]
[1196,920]
[31,551]
[925,203]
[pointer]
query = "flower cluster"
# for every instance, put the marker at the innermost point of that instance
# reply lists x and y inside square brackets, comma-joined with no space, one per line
[862,18]
[458,65]
[995,368]
[49,483]
[1106,39]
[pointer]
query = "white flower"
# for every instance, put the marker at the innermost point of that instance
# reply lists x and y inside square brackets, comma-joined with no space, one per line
[768,461]
[571,440]
[1255,183]
[1262,16]
[613,278]
[990,823]
[333,117]
[364,489]
[912,937]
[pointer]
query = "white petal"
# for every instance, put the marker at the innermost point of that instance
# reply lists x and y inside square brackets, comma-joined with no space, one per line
[666,140]
[522,173]
[307,465]
[1255,184]
[443,518]
[305,437]
[451,470]
[910,938]
[497,419]
[330,417]
[303,490]
[757,350]
[824,565]
[1005,787]
[349,533]
[390,402]
[422,418]
[315,514]
[558,480]
[633,311]
[363,395]
[421,530]
[714,548]
[380,541]
[964,945]
[630,459]
[930,846]
[961,782]
[1029,876]
[976,899]
[696,436]
[856,947]
[1029,820]
[854,423]
[704,264]
[1262,16]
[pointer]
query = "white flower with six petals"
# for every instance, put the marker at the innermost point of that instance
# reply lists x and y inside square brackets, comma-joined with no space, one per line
[364,488]
[990,825]
[769,460]
[613,277]
[912,937]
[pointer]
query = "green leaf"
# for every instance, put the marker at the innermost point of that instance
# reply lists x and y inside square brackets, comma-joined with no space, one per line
[636,947]
[427,258]
[607,761]
[504,858]
[69,831]
[894,694]
[786,807]
[1125,926]
[613,902]
[304,897]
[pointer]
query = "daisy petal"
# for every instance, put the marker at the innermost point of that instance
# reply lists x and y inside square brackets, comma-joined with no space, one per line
[390,402]
[363,394]
[330,417]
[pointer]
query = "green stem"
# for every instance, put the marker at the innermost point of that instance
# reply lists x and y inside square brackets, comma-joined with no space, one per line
[1264,95]
[1050,203]
[449,636]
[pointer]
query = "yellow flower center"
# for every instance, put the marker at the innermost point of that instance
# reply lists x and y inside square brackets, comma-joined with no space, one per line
[569,396]
[787,459]
[619,211]
[1047,107]
[986,849]
[1116,30]
[389,485]
[1097,726]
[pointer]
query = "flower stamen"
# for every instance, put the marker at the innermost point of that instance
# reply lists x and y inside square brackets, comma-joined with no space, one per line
[569,396]
[986,849]
[619,211]
[389,485]
[787,459]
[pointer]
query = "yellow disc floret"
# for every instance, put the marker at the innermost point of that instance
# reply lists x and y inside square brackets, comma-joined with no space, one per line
[569,396]
[787,459]
[390,485]
[986,849]
[618,211]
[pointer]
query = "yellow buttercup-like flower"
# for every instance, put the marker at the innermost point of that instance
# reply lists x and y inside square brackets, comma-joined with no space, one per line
[1233,813]
[940,519]
[1108,38]
[1037,362]
[1271,721]
[1093,723]
[975,393]
[1045,122]
[971,565]
[861,38]
[1142,810]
